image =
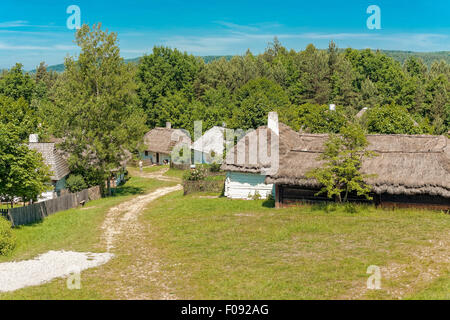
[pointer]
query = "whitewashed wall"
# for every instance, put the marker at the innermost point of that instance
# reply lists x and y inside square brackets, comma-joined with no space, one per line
[239,185]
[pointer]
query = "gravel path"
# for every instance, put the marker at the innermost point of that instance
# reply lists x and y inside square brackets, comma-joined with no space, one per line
[126,214]
[46,267]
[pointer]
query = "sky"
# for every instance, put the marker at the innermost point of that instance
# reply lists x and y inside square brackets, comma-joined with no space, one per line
[32,31]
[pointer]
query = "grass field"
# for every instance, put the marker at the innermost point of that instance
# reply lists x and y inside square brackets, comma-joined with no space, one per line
[78,230]
[227,249]
[215,248]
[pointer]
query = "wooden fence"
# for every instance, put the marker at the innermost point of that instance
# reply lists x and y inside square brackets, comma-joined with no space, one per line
[202,186]
[4,213]
[38,211]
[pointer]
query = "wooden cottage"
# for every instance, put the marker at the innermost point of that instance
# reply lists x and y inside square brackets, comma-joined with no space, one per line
[159,143]
[58,166]
[246,168]
[411,171]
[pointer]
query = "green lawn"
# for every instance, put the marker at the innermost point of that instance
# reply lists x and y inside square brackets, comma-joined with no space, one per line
[152,169]
[175,173]
[216,248]
[233,249]
[74,229]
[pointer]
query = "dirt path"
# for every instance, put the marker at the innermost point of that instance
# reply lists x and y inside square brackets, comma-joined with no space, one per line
[125,236]
[159,175]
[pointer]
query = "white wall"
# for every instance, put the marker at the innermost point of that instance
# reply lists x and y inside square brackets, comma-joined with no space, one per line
[239,185]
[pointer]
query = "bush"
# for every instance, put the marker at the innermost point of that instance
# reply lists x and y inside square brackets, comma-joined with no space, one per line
[196,174]
[255,196]
[215,167]
[7,238]
[350,208]
[75,183]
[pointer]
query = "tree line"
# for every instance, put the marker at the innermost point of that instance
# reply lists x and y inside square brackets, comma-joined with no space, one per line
[100,107]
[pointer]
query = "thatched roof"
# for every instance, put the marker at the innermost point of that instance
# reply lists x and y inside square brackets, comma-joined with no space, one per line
[246,159]
[162,140]
[52,158]
[405,164]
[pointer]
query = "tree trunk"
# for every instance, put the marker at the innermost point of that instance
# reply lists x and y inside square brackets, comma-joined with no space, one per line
[108,186]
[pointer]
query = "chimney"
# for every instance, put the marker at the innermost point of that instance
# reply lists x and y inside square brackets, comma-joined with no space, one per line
[272,122]
[332,107]
[168,125]
[34,138]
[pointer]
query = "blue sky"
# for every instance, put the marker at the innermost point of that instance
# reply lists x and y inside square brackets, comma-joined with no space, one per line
[32,31]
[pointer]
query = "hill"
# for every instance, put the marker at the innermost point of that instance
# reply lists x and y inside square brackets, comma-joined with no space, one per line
[400,56]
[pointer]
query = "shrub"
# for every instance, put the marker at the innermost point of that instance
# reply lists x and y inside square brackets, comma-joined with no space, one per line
[350,208]
[255,196]
[214,167]
[196,174]
[7,238]
[76,183]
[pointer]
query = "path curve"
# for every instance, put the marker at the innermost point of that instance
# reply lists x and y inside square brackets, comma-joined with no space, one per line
[122,224]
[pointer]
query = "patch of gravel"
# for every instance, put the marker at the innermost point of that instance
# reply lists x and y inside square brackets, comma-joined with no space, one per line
[46,267]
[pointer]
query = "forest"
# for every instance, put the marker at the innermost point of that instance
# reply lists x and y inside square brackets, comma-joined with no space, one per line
[101,106]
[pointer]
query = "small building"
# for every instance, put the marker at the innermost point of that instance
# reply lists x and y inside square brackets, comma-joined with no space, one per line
[209,147]
[58,166]
[159,143]
[246,169]
[410,171]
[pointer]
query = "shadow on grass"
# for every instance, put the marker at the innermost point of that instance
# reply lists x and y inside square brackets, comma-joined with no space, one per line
[269,203]
[125,190]
[34,224]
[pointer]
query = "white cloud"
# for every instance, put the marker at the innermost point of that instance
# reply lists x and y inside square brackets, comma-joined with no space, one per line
[59,47]
[14,24]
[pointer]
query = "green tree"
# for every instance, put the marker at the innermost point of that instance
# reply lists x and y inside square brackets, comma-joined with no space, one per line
[166,71]
[313,85]
[19,113]
[255,100]
[96,110]
[391,119]
[341,174]
[342,83]
[22,171]
[75,183]
[17,84]
[316,118]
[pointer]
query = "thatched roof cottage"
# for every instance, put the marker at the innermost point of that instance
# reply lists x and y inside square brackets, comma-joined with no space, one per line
[254,156]
[410,171]
[58,166]
[159,143]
